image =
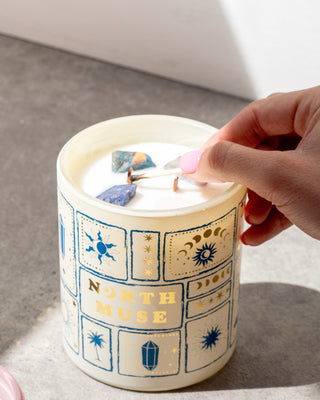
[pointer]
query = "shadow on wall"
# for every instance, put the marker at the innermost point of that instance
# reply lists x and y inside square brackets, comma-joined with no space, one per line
[278,340]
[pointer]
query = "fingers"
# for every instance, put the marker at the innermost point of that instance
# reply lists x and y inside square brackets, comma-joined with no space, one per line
[277,115]
[267,173]
[275,223]
[257,209]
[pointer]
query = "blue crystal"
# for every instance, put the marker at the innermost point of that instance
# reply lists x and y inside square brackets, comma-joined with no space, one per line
[150,355]
[122,161]
[119,194]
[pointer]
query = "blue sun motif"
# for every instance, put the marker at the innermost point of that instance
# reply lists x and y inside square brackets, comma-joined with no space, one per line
[205,254]
[211,338]
[99,247]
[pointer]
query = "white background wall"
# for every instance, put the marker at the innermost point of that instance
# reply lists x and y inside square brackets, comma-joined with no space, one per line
[248,48]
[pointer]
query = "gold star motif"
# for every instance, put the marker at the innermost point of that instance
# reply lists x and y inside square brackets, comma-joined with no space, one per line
[148,237]
[147,249]
[148,261]
[174,350]
[200,304]
[219,295]
[148,272]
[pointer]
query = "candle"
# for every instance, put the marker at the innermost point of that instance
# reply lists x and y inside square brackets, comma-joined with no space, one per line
[149,289]
[96,175]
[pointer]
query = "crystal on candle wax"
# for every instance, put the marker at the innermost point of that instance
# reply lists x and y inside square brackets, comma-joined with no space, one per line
[123,160]
[119,194]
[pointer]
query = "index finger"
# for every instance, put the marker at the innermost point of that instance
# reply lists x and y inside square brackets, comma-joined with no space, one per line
[276,115]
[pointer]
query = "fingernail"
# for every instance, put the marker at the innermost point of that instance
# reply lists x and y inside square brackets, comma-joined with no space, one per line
[242,239]
[189,161]
[247,212]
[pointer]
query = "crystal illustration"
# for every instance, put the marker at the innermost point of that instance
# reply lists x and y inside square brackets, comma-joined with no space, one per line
[122,161]
[150,355]
[119,194]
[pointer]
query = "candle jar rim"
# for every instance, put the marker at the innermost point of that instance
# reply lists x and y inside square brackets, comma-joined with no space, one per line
[71,145]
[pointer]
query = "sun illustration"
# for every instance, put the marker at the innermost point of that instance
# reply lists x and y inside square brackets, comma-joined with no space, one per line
[205,254]
[99,247]
[211,338]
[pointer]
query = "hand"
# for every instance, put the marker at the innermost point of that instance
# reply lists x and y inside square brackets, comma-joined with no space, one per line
[273,147]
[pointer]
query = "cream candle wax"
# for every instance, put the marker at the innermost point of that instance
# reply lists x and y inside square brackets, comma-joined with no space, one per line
[152,194]
[149,291]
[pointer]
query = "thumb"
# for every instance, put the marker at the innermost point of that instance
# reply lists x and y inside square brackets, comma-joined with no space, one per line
[268,173]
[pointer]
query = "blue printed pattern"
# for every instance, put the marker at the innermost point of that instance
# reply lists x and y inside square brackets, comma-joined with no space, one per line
[195,251]
[102,247]
[67,243]
[180,284]
[143,354]
[207,338]
[69,310]
[96,344]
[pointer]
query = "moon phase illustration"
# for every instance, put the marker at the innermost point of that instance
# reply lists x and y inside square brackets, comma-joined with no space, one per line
[197,238]
[207,233]
[183,251]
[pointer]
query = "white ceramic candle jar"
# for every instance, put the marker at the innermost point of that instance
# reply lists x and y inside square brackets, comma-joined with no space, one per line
[149,297]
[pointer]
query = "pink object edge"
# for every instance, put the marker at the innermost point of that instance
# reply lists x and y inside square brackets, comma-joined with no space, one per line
[189,161]
[9,388]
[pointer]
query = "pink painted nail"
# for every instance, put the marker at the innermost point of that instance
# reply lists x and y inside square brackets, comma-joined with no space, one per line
[189,161]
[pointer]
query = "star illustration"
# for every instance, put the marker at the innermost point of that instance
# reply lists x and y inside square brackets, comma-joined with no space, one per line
[147,249]
[219,295]
[200,304]
[148,271]
[211,338]
[174,350]
[148,261]
[148,237]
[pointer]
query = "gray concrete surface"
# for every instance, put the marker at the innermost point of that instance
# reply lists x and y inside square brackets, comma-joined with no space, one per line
[46,96]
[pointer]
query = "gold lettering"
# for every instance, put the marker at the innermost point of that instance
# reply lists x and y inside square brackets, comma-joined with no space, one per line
[112,292]
[121,314]
[167,297]
[142,316]
[146,297]
[95,286]
[127,295]
[159,317]
[103,309]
